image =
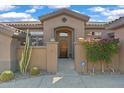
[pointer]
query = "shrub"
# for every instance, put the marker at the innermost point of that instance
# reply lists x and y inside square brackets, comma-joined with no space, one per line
[101,50]
[6,75]
[34,71]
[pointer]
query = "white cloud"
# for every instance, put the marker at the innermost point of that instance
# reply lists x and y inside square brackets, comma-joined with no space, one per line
[14,16]
[58,6]
[34,8]
[111,18]
[6,7]
[120,6]
[31,10]
[29,19]
[96,20]
[97,9]
[95,16]
[37,7]
[76,11]
[109,14]
[113,14]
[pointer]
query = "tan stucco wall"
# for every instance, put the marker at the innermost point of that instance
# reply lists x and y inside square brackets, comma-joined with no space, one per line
[13,54]
[119,33]
[52,56]
[95,30]
[103,31]
[114,65]
[80,55]
[51,24]
[38,57]
[8,58]
[43,57]
[4,52]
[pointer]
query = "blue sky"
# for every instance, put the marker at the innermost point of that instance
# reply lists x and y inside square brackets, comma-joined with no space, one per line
[99,13]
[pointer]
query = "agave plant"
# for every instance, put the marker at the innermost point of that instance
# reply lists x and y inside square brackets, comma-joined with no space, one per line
[26,55]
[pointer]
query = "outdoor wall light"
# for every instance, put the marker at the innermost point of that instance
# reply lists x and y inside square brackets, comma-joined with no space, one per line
[80,39]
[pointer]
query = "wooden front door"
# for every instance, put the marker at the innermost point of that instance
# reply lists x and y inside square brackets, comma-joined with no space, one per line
[64,37]
[63,49]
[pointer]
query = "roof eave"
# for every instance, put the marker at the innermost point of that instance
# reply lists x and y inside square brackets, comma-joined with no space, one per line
[116,24]
[64,11]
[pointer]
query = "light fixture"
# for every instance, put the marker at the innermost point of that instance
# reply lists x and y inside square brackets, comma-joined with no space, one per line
[81,39]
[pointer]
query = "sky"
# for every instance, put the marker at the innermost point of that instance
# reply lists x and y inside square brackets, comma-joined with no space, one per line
[99,13]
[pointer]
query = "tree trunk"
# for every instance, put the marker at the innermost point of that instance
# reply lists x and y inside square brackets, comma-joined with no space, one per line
[102,67]
[112,68]
[87,66]
[93,68]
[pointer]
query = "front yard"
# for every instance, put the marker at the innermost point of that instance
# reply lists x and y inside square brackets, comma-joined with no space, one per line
[68,81]
[66,77]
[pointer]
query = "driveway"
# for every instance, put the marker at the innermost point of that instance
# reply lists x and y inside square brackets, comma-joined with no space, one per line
[68,78]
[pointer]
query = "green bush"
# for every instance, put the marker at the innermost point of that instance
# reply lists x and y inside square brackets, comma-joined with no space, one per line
[101,50]
[6,75]
[34,71]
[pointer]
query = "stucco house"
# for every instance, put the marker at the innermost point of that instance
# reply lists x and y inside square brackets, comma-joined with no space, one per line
[64,27]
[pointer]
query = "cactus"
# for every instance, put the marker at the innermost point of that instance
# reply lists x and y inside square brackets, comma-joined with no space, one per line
[34,71]
[6,75]
[26,55]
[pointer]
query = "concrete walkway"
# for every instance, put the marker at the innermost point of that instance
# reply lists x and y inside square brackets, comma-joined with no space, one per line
[68,78]
[66,67]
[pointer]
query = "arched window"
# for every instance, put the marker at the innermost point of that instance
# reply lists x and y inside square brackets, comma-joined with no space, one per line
[63,34]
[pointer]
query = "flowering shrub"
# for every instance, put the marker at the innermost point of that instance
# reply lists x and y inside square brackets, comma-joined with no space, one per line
[101,50]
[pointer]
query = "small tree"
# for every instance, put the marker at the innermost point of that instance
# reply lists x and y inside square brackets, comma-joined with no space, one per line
[26,55]
[109,47]
[92,52]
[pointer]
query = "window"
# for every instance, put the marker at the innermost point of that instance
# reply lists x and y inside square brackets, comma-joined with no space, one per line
[111,35]
[98,33]
[36,38]
[63,34]
[93,33]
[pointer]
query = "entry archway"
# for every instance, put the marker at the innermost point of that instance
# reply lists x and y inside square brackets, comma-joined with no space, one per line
[64,35]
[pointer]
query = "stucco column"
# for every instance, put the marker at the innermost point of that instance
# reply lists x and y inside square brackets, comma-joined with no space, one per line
[52,34]
[13,54]
[79,57]
[8,57]
[52,56]
[5,60]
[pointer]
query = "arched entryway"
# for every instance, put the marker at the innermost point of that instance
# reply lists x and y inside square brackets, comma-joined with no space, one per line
[65,37]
